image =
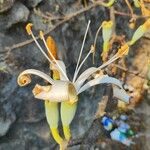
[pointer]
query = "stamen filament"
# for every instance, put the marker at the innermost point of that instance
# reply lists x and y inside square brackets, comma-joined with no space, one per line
[75,76]
[95,40]
[42,37]
[81,50]
[31,33]
[96,36]
[115,57]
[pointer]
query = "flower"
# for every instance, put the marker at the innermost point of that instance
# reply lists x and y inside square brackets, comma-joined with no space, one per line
[63,89]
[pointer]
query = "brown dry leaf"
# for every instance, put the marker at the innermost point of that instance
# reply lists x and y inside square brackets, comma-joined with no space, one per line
[101,107]
[140,63]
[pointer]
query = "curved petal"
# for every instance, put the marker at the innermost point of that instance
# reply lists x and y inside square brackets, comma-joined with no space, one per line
[79,82]
[35,72]
[121,94]
[100,80]
[58,92]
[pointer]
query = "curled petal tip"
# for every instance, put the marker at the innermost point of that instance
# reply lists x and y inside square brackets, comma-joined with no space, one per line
[29,28]
[24,80]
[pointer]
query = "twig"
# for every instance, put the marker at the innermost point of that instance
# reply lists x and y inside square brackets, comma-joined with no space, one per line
[67,18]
[130,8]
[74,142]
[129,15]
[113,19]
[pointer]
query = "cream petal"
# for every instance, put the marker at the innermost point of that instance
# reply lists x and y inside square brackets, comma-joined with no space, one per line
[121,94]
[100,80]
[35,72]
[58,92]
[79,82]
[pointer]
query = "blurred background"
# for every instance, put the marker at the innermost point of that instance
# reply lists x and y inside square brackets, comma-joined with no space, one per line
[23,124]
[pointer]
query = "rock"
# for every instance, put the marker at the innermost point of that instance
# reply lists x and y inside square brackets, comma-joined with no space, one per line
[33,3]
[13,145]
[5,125]
[18,13]
[5,5]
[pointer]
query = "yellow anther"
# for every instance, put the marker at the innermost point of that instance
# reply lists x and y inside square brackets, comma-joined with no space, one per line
[29,28]
[107,24]
[41,34]
[123,50]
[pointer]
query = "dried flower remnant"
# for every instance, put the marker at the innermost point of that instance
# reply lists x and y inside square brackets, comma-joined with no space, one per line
[63,90]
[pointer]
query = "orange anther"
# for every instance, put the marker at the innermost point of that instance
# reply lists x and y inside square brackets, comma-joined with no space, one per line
[52,47]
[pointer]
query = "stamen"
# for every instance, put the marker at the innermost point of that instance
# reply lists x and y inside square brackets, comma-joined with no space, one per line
[95,40]
[123,50]
[42,37]
[28,28]
[108,62]
[29,31]
[75,76]
[81,50]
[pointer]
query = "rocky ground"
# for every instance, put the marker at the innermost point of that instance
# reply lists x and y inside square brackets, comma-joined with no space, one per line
[23,124]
